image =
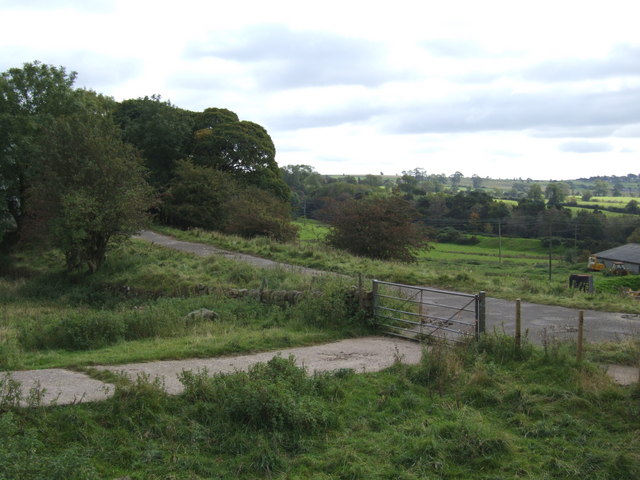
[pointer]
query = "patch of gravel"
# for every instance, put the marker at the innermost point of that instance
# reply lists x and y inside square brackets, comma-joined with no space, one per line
[368,354]
[60,387]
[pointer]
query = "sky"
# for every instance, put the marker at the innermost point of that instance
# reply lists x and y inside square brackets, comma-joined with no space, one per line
[503,89]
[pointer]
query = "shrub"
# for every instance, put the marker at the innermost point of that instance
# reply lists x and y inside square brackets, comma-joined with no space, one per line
[384,228]
[254,212]
[276,397]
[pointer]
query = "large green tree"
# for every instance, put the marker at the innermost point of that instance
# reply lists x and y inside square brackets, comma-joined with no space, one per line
[89,187]
[161,131]
[30,97]
[242,148]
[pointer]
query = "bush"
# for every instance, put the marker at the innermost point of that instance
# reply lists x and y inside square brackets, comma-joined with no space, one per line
[276,397]
[448,235]
[383,228]
[255,212]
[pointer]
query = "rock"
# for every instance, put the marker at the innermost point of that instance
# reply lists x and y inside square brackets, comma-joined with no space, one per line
[204,313]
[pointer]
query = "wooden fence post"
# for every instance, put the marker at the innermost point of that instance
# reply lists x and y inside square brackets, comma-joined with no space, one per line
[374,290]
[518,337]
[580,335]
[482,310]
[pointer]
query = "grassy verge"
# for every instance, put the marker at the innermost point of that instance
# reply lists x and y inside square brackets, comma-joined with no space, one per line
[481,412]
[147,304]
[521,272]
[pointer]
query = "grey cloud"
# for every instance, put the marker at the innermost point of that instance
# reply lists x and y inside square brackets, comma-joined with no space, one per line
[283,58]
[596,131]
[495,111]
[347,114]
[624,60]
[585,147]
[628,131]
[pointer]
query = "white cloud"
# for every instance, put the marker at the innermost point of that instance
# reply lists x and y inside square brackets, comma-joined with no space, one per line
[499,88]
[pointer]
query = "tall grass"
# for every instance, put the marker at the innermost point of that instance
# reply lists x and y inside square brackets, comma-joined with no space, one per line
[522,273]
[138,308]
[480,412]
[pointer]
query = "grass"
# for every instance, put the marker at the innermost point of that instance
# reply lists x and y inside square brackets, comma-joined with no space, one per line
[137,308]
[483,411]
[523,271]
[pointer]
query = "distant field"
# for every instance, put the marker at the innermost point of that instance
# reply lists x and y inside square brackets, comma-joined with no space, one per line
[606,213]
[619,202]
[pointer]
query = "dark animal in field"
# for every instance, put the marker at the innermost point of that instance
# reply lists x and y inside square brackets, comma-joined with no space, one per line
[581,282]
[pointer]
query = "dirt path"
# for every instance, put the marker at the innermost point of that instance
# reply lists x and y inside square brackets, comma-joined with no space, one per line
[368,354]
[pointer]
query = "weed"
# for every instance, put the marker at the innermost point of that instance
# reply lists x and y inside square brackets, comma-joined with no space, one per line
[439,366]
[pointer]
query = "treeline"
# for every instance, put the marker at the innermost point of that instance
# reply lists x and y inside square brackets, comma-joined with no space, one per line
[79,170]
[453,214]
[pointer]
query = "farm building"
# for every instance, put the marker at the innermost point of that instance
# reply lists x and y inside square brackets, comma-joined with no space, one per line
[628,254]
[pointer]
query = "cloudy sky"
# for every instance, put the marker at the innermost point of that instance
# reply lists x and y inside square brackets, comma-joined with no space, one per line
[508,89]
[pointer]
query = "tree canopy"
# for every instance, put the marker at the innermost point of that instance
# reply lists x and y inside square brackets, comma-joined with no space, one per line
[67,177]
[89,187]
[30,97]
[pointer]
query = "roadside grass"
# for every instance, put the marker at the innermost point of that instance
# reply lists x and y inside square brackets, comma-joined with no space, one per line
[482,411]
[523,271]
[139,307]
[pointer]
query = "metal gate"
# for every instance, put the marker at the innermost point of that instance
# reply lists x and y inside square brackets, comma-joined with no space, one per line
[424,314]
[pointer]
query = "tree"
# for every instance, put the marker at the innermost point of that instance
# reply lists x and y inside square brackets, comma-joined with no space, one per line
[632,207]
[600,188]
[196,196]
[634,237]
[242,148]
[161,131]
[30,97]
[534,193]
[377,227]
[476,181]
[89,188]
[455,180]
[256,212]
[303,181]
[556,193]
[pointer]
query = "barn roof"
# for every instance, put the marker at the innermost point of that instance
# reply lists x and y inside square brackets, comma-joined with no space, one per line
[629,253]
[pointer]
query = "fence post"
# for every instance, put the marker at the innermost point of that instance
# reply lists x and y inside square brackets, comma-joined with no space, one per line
[580,335]
[375,296]
[481,312]
[518,325]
